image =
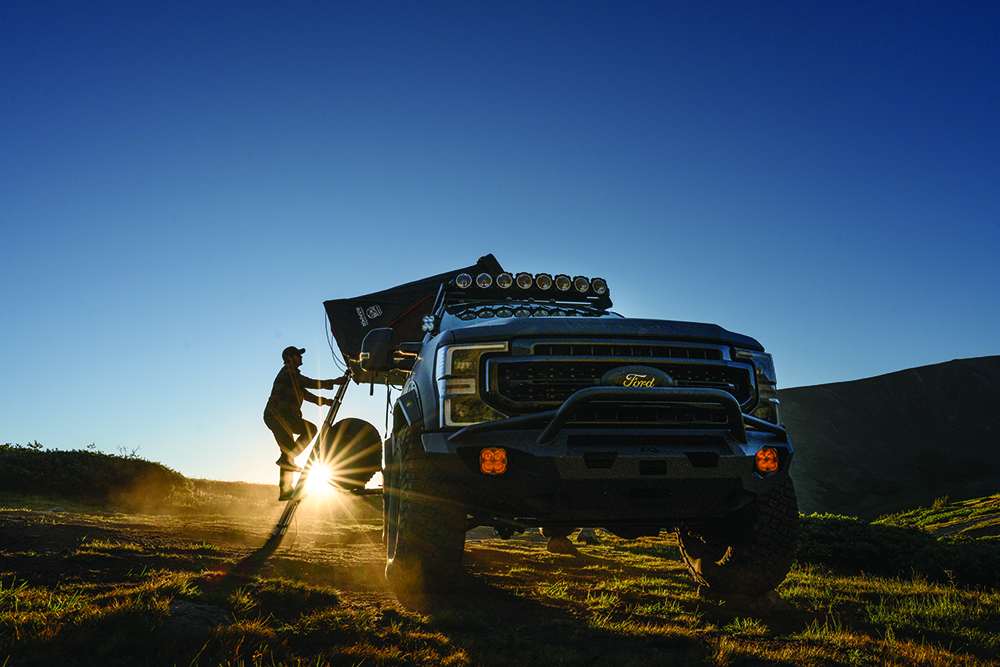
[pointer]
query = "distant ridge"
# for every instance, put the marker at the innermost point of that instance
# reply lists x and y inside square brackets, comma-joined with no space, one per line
[896,441]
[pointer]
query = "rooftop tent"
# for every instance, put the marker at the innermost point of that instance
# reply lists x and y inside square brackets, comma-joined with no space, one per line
[402,308]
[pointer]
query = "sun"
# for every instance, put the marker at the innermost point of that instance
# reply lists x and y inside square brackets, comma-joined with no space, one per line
[320,475]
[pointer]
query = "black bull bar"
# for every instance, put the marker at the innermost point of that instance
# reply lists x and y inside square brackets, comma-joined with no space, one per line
[555,420]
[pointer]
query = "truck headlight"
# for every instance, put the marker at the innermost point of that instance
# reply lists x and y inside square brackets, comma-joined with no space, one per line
[768,407]
[457,374]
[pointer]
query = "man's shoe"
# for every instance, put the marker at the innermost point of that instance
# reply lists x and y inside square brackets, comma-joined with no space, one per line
[285,462]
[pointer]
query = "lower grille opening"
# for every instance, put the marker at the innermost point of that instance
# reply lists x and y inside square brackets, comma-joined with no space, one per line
[602,442]
[647,494]
[703,459]
[652,467]
[599,460]
[690,416]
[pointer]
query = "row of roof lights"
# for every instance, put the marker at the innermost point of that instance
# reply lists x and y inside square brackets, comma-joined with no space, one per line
[542,281]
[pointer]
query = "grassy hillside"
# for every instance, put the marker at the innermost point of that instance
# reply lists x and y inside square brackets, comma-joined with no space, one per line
[235,494]
[125,482]
[896,441]
[979,517]
[90,476]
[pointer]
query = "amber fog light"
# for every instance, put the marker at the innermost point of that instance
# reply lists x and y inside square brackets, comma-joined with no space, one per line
[766,460]
[493,461]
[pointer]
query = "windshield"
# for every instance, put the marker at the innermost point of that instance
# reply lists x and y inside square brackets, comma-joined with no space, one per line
[466,314]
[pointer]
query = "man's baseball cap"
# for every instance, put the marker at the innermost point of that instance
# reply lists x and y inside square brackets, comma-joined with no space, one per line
[289,351]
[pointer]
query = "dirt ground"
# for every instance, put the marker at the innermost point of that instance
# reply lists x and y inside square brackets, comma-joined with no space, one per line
[332,542]
[338,547]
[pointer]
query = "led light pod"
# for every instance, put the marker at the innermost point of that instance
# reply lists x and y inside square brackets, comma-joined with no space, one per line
[766,460]
[563,282]
[524,280]
[484,280]
[581,284]
[543,281]
[505,280]
[493,460]
[463,281]
[599,286]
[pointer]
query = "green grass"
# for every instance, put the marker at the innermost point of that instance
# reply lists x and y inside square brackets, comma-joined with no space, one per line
[625,609]
[979,517]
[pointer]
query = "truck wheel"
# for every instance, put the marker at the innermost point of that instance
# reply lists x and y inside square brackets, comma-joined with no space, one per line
[425,523]
[749,553]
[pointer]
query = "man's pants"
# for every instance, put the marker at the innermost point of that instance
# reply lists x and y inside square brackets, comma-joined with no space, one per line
[284,430]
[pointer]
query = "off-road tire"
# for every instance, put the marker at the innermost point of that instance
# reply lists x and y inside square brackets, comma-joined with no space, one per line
[749,553]
[425,521]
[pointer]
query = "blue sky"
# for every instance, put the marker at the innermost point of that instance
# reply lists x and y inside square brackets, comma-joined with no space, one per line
[183,184]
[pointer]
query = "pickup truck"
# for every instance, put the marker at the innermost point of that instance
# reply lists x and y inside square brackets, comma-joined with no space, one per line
[526,402]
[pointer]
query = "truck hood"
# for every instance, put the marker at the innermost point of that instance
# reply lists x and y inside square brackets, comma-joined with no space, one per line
[603,327]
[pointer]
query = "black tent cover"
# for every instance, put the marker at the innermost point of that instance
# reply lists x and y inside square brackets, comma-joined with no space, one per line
[402,308]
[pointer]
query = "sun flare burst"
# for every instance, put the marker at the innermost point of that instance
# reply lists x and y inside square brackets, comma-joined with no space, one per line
[320,475]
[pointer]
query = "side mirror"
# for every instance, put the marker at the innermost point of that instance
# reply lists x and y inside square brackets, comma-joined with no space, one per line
[376,351]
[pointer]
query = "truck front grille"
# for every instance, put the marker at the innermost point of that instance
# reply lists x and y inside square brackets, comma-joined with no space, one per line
[545,374]
[554,380]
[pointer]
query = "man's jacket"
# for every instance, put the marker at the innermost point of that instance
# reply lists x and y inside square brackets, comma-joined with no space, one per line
[288,392]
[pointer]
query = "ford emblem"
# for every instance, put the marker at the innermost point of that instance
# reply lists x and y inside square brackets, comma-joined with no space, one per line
[637,376]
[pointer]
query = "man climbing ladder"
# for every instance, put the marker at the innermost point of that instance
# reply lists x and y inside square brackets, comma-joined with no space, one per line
[350,453]
[283,413]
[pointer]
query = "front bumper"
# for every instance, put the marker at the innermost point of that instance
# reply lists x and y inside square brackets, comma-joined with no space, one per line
[561,472]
